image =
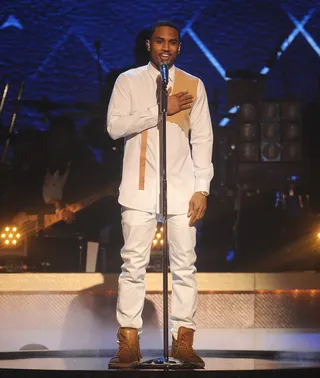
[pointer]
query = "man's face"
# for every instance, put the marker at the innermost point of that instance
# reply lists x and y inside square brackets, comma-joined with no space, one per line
[164,46]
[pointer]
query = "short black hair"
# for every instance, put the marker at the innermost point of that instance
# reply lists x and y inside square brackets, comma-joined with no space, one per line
[158,24]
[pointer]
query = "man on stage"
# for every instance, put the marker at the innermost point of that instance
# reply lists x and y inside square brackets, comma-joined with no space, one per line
[134,114]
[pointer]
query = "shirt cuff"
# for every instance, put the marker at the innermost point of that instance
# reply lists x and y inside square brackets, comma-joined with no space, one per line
[202,186]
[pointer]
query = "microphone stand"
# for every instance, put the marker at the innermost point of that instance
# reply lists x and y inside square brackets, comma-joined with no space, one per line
[97,45]
[164,217]
[165,362]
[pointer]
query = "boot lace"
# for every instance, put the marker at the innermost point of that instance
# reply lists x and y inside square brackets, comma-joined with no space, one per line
[124,346]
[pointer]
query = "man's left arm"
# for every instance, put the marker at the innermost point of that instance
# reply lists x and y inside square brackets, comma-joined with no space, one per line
[202,146]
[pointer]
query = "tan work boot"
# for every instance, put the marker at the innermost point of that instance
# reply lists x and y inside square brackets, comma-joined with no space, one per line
[182,347]
[128,353]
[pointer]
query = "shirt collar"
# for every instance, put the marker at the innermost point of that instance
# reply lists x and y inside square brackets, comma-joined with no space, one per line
[154,73]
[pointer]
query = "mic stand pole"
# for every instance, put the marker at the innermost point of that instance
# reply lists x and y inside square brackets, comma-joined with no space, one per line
[97,45]
[164,218]
[164,362]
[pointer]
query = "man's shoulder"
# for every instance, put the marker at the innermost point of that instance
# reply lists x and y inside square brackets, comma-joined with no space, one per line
[187,75]
[134,72]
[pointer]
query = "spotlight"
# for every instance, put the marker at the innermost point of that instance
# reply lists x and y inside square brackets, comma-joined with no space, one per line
[270,111]
[10,236]
[292,131]
[247,133]
[157,240]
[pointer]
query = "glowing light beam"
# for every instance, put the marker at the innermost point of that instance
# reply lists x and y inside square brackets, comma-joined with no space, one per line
[295,32]
[284,46]
[52,53]
[189,23]
[93,53]
[212,59]
[306,35]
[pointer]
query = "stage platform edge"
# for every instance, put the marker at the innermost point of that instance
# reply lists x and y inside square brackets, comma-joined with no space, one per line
[250,311]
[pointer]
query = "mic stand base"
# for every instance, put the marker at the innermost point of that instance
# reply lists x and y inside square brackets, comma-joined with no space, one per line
[161,363]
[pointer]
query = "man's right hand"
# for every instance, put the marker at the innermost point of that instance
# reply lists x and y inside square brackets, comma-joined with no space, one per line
[178,102]
[65,215]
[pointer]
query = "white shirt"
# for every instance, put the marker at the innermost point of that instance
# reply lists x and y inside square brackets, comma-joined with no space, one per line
[133,108]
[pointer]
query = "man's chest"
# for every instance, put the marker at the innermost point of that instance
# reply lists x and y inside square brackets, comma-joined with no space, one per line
[145,93]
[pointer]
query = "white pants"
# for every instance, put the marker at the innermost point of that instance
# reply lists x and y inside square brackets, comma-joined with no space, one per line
[138,231]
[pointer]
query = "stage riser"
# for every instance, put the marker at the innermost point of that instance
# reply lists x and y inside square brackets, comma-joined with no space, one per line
[224,321]
[75,317]
[151,341]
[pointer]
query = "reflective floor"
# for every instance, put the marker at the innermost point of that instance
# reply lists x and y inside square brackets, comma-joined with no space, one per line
[101,364]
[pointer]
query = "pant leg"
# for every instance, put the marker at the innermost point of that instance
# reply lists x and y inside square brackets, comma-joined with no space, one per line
[138,229]
[182,241]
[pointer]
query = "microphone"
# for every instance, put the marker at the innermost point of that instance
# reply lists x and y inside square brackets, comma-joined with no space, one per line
[164,70]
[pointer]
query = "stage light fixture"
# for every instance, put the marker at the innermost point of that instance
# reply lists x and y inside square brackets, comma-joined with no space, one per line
[291,118]
[157,241]
[248,152]
[270,132]
[247,133]
[10,236]
[270,111]
[270,152]
[248,112]
[291,130]
[291,151]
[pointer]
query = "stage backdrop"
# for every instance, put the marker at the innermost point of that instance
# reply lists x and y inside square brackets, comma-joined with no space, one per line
[52,46]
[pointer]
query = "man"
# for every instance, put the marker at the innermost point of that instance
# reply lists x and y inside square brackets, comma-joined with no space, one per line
[134,114]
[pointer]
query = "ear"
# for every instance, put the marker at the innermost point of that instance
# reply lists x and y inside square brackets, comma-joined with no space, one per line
[179,48]
[148,44]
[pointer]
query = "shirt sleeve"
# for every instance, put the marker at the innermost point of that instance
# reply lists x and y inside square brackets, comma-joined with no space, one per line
[201,141]
[121,122]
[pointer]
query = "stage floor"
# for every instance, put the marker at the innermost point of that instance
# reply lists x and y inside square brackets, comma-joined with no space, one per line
[101,364]
[215,360]
[95,367]
[248,325]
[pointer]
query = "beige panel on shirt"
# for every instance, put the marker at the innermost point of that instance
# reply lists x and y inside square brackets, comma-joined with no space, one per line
[143,156]
[182,82]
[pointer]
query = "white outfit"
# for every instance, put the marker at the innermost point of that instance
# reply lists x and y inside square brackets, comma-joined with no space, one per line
[133,108]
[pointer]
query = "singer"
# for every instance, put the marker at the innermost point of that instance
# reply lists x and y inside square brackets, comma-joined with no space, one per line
[134,114]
